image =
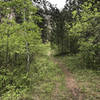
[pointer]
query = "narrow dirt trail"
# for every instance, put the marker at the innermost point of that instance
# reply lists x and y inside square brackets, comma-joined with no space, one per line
[70,82]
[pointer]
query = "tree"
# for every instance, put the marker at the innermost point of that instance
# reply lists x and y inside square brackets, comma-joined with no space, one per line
[23,32]
[86,30]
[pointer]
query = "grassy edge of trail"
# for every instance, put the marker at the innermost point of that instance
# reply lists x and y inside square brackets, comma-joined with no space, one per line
[39,84]
[87,79]
[44,88]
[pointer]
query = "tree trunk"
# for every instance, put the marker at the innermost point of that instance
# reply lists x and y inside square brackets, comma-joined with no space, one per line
[28,56]
[7,50]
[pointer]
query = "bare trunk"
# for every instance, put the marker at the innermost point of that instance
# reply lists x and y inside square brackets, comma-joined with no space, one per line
[27,48]
[7,50]
[62,46]
[28,56]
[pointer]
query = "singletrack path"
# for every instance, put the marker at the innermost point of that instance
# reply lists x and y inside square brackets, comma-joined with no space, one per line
[70,81]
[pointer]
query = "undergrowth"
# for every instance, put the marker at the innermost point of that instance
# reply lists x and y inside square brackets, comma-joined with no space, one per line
[38,83]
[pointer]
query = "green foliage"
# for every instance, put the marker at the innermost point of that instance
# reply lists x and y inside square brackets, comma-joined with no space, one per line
[24,65]
[82,35]
[13,83]
[88,32]
[79,33]
[14,34]
[39,81]
[20,43]
[18,40]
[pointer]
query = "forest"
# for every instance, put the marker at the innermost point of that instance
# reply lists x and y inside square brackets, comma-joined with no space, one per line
[47,53]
